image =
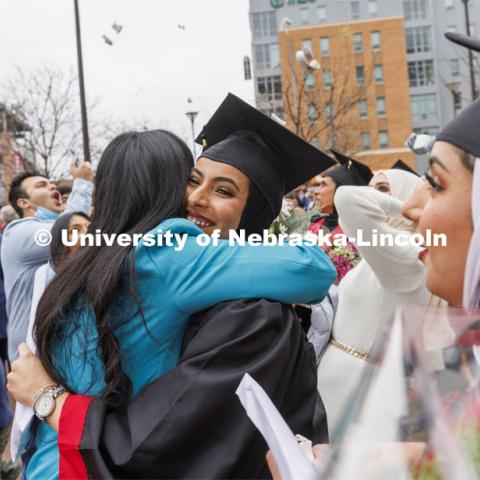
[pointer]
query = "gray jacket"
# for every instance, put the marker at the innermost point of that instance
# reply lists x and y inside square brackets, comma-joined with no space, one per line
[21,255]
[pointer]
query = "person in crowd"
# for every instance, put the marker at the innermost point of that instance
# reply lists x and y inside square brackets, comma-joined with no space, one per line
[8,468]
[7,215]
[38,204]
[70,223]
[192,280]
[387,276]
[291,199]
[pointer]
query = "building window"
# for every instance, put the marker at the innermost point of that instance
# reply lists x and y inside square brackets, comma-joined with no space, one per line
[307,44]
[376,43]
[427,130]
[418,39]
[381,108]
[322,13]
[267,56]
[270,86]
[383,139]
[357,42]
[329,110]
[304,17]
[378,73]
[327,78]
[360,71]
[372,8]
[455,67]
[365,139]
[415,9]
[449,4]
[309,81]
[421,73]
[363,108]
[312,112]
[457,101]
[324,46]
[451,29]
[424,107]
[355,10]
[264,24]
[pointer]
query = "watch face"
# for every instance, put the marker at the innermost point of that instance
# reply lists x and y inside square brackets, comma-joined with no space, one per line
[44,405]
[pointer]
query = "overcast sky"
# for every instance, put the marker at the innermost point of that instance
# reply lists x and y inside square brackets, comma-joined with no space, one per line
[153,66]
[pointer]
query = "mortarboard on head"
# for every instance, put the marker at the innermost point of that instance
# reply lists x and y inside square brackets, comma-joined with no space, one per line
[462,131]
[350,171]
[464,40]
[275,159]
[401,165]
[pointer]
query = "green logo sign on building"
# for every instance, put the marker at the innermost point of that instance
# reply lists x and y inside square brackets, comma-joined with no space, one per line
[282,3]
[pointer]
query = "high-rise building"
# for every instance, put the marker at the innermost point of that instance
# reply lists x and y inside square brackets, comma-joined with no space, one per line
[438,71]
[357,100]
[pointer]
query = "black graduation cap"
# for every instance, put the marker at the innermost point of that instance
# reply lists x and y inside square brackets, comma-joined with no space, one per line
[462,131]
[350,171]
[401,165]
[464,40]
[275,159]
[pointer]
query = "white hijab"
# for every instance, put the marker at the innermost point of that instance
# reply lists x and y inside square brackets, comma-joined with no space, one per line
[402,185]
[471,292]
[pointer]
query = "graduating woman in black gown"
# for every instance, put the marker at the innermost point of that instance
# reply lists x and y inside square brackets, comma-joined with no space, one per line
[189,423]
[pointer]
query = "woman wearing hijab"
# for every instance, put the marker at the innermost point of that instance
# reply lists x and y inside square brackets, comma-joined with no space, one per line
[198,280]
[388,276]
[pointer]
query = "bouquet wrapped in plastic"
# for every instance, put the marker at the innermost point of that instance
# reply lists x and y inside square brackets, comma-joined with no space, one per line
[416,412]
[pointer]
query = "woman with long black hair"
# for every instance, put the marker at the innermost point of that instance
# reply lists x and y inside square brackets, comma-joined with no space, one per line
[113,318]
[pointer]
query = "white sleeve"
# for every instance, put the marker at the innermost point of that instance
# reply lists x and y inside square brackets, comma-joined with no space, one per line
[366,209]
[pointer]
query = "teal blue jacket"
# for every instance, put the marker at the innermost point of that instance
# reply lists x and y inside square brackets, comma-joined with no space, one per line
[171,286]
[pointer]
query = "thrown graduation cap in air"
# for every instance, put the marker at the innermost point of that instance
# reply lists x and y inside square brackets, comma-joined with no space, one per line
[271,156]
[401,165]
[350,171]
[464,40]
[462,131]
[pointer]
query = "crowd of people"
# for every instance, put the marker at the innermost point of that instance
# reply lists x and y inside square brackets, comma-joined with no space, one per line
[125,359]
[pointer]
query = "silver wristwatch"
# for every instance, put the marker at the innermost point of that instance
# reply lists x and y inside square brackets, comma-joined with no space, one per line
[45,400]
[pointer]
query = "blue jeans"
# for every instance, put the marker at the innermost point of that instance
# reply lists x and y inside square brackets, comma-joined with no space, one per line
[5,412]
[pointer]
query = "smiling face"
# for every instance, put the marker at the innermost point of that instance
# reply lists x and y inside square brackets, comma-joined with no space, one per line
[448,211]
[216,196]
[40,192]
[79,224]
[325,193]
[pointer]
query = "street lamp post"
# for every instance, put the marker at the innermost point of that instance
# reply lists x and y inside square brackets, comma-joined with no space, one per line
[192,116]
[83,107]
[470,53]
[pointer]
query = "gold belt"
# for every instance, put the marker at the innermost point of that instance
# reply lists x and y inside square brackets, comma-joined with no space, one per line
[351,350]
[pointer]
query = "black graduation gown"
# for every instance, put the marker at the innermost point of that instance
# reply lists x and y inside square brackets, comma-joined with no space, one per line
[189,423]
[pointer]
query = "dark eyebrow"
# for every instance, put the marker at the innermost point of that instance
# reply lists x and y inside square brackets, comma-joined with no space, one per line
[218,179]
[434,160]
[197,171]
[228,180]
